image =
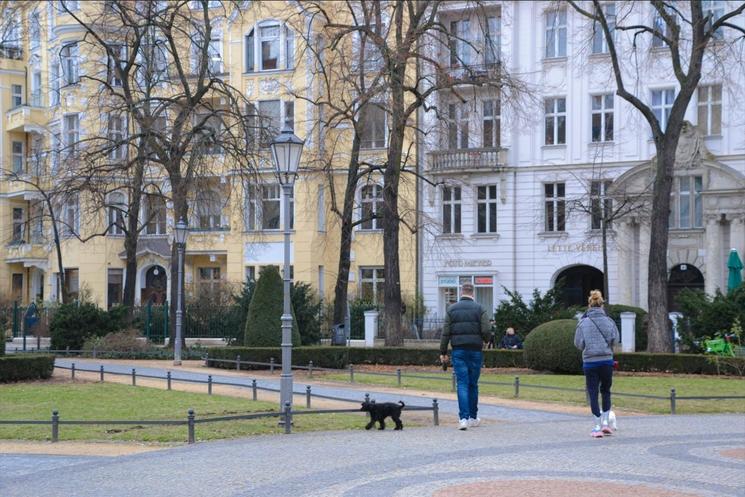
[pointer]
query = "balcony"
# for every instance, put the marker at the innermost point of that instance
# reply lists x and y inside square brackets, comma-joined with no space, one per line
[11,52]
[28,254]
[467,160]
[472,74]
[26,119]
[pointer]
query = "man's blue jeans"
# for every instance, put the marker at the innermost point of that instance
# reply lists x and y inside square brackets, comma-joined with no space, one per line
[467,367]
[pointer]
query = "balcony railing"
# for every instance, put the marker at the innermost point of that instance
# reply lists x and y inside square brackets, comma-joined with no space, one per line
[471,74]
[11,52]
[486,159]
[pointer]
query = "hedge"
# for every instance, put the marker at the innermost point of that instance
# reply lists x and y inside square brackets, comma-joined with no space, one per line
[26,367]
[341,357]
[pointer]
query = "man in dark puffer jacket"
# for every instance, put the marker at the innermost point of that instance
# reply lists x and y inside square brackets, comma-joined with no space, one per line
[466,329]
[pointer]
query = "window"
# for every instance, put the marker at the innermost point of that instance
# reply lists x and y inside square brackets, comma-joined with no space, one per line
[154,215]
[36,89]
[372,284]
[56,146]
[209,209]
[116,138]
[289,117]
[16,286]
[35,156]
[556,115]
[714,9]
[555,207]
[460,43]
[686,209]
[70,63]
[54,85]
[250,273]
[599,42]
[662,104]
[486,197]
[458,126]
[71,5]
[373,126]
[710,109]
[269,43]
[72,134]
[210,133]
[602,117]
[556,34]
[661,27]
[18,158]
[451,209]
[37,222]
[264,208]
[491,41]
[321,209]
[214,52]
[601,206]
[19,225]
[249,51]
[270,207]
[371,198]
[119,59]
[115,278]
[34,29]
[17,91]
[70,217]
[491,126]
[209,280]
[289,48]
[270,116]
[117,208]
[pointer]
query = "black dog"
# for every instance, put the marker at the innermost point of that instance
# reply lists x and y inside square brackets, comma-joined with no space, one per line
[378,412]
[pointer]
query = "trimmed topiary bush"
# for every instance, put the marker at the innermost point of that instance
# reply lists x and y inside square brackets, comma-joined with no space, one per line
[26,367]
[263,323]
[550,347]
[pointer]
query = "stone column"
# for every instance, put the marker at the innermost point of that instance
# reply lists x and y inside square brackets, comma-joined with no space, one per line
[643,258]
[737,235]
[628,331]
[624,248]
[371,327]
[712,258]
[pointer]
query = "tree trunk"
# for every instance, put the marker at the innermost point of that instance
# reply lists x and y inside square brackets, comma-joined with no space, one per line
[61,290]
[132,235]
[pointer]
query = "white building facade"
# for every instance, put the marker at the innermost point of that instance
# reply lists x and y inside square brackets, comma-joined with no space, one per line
[516,190]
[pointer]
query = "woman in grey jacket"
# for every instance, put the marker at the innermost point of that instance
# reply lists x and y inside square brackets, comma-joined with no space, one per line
[595,336]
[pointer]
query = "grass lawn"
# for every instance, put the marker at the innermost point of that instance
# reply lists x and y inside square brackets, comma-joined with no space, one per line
[107,401]
[685,385]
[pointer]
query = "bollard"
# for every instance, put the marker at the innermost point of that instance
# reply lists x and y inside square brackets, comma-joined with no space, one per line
[307,396]
[72,370]
[288,418]
[101,373]
[435,412]
[453,386]
[517,386]
[94,352]
[209,384]
[672,401]
[55,426]
[190,424]
[168,380]
[367,397]
[253,389]
[134,378]
[271,365]
[398,376]
[207,360]
[310,369]
[238,363]
[351,373]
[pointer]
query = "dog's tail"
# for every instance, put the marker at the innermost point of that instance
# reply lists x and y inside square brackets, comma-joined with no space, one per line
[402,404]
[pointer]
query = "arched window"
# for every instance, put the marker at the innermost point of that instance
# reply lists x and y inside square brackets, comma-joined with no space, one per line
[269,47]
[117,208]
[371,199]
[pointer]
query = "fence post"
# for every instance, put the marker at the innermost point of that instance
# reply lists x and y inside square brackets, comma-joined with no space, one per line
[288,418]
[307,396]
[72,370]
[271,365]
[134,378]
[209,384]
[351,373]
[149,319]
[101,373]
[165,320]
[453,386]
[190,424]
[253,389]
[517,386]
[435,412]
[310,369]
[207,360]
[672,401]
[238,363]
[55,426]
[94,352]
[168,379]
[398,376]
[367,398]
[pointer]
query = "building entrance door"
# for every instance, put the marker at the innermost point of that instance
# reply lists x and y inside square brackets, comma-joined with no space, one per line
[156,283]
[682,276]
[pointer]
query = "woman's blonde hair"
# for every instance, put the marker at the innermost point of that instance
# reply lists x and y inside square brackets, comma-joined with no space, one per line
[595,299]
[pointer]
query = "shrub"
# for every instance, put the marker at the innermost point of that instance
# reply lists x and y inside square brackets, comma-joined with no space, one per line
[120,341]
[26,367]
[242,301]
[681,363]
[307,309]
[706,316]
[263,322]
[640,325]
[525,317]
[72,324]
[551,347]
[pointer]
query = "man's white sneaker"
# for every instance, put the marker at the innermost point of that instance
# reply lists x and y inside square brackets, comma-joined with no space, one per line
[473,423]
[463,424]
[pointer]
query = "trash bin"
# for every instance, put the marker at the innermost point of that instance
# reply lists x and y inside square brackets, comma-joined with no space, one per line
[338,335]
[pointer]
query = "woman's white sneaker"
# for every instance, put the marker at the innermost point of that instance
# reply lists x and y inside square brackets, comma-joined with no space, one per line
[463,424]
[473,423]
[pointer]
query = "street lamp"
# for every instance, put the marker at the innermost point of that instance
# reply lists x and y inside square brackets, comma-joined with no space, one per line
[286,150]
[181,231]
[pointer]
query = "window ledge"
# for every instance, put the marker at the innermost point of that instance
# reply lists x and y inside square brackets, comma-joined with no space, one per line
[259,72]
[266,232]
[555,146]
[553,234]
[599,55]
[554,60]
[485,236]
[373,149]
[712,137]
[607,143]
[369,232]
[598,232]
[686,231]
[449,236]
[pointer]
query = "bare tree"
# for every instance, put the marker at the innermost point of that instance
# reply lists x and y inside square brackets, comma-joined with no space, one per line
[691,35]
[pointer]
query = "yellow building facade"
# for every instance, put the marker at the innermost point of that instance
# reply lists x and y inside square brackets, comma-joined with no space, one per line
[236,226]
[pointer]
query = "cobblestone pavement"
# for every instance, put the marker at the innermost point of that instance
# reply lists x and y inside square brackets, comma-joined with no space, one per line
[650,456]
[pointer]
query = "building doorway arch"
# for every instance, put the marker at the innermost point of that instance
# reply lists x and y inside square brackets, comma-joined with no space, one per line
[156,285]
[681,277]
[577,283]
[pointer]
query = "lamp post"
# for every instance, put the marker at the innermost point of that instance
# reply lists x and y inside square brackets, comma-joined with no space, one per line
[181,231]
[286,150]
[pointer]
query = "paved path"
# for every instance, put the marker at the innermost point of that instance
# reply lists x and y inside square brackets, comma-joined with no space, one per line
[650,456]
